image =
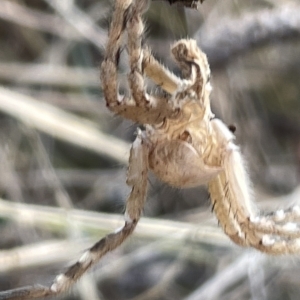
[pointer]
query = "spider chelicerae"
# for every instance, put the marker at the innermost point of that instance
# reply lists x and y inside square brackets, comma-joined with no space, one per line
[182,143]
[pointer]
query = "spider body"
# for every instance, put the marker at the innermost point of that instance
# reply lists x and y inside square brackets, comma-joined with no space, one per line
[183,144]
[183,150]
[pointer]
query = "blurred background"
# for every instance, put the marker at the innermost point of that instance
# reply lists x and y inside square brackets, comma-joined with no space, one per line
[63,155]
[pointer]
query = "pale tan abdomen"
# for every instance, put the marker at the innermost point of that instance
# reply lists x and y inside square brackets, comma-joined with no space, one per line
[177,163]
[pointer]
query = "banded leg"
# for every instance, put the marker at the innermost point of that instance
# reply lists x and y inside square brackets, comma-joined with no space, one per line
[137,179]
[265,235]
[140,106]
[224,213]
[109,71]
[160,75]
[291,214]
[262,233]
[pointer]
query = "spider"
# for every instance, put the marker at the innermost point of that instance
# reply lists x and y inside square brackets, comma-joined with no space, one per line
[182,143]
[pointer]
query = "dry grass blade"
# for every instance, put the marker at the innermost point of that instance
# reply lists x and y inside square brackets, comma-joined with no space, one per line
[62,125]
[59,219]
[80,21]
[49,75]
[40,254]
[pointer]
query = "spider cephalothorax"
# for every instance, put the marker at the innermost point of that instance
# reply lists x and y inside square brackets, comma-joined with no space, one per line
[183,144]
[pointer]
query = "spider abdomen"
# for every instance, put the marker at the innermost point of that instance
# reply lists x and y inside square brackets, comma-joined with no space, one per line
[177,163]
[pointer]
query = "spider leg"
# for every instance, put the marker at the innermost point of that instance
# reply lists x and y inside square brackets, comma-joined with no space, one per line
[241,230]
[109,72]
[135,29]
[291,214]
[140,107]
[187,55]
[160,75]
[231,188]
[195,69]
[224,213]
[251,222]
[142,62]
[137,179]
[266,225]
[220,188]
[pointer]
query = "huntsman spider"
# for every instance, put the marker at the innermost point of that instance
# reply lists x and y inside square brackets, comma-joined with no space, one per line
[183,144]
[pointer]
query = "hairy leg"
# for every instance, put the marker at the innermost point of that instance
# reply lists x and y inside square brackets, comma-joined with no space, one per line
[109,66]
[160,75]
[137,179]
[232,188]
[140,107]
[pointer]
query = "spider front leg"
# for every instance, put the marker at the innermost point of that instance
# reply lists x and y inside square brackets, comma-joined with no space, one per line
[231,190]
[140,107]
